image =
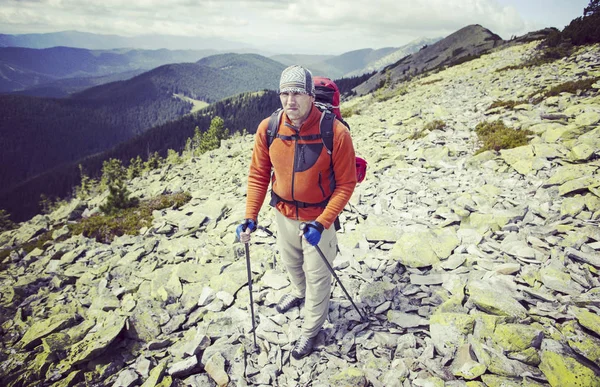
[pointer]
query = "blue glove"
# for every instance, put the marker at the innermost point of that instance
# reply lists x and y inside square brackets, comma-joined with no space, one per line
[242,227]
[312,232]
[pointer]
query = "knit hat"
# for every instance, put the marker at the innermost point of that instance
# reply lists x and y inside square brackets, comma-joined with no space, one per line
[296,79]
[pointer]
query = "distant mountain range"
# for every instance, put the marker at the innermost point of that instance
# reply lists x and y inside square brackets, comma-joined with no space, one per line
[27,68]
[106,42]
[356,62]
[60,71]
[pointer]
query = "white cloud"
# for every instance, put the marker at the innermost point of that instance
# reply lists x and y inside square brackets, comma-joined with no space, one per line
[299,25]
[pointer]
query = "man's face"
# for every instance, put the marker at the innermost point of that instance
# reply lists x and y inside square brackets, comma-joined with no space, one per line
[296,105]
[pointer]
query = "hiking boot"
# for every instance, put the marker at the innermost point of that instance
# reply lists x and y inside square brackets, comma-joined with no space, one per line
[303,347]
[287,302]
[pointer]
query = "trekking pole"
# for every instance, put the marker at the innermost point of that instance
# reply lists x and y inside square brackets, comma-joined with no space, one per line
[250,291]
[302,228]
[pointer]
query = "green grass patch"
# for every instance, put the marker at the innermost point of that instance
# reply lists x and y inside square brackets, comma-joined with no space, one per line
[104,228]
[496,136]
[506,104]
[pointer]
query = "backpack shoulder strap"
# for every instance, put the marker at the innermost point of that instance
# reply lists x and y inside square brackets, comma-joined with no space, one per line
[326,128]
[273,127]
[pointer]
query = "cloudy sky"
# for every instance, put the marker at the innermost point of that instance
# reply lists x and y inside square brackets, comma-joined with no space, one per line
[299,26]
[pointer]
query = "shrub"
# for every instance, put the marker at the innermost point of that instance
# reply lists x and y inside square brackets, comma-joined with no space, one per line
[496,136]
[104,228]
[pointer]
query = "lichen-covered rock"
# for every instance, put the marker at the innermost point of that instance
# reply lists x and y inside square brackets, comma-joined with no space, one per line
[450,330]
[563,370]
[215,367]
[517,337]
[350,377]
[376,293]
[495,298]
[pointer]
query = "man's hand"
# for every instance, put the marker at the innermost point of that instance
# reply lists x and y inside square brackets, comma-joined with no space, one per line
[312,232]
[243,230]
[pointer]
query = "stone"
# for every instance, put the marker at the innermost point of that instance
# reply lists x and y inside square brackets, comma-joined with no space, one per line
[275,280]
[215,368]
[587,319]
[184,367]
[449,330]
[126,378]
[406,320]
[465,364]
[41,329]
[423,249]
[517,337]
[376,293]
[350,377]
[494,297]
[96,342]
[563,370]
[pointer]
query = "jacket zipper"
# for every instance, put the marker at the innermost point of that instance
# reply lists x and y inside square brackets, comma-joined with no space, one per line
[321,185]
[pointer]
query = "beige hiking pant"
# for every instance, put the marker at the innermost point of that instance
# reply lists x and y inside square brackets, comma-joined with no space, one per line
[308,273]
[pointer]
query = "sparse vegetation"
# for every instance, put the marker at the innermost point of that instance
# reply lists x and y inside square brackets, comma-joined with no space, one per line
[431,82]
[572,87]
[430,126]
[496,136]
[506,104]
[104,228]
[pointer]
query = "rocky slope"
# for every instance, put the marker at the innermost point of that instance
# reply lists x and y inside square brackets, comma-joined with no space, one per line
[472,270]
[467,42]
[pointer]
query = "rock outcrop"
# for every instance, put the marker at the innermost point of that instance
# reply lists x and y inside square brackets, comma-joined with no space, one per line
[472,270]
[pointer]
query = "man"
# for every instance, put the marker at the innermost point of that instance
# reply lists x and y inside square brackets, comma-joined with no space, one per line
[309,186]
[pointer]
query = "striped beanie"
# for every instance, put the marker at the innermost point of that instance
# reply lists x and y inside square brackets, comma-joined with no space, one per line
[296,79]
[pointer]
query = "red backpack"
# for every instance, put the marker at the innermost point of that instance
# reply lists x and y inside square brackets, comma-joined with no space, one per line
[327,99]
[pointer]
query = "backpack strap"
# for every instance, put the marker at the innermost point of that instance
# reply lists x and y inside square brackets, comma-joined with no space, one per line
[326,128]
[273,127]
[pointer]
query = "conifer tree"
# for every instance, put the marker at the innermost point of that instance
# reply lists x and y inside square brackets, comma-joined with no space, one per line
[154,162]
[135,168]
[5,222]
[113,176]
[86,186]
[173,157]
[212,138]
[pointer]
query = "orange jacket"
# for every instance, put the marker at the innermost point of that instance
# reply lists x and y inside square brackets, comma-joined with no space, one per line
[316,176]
